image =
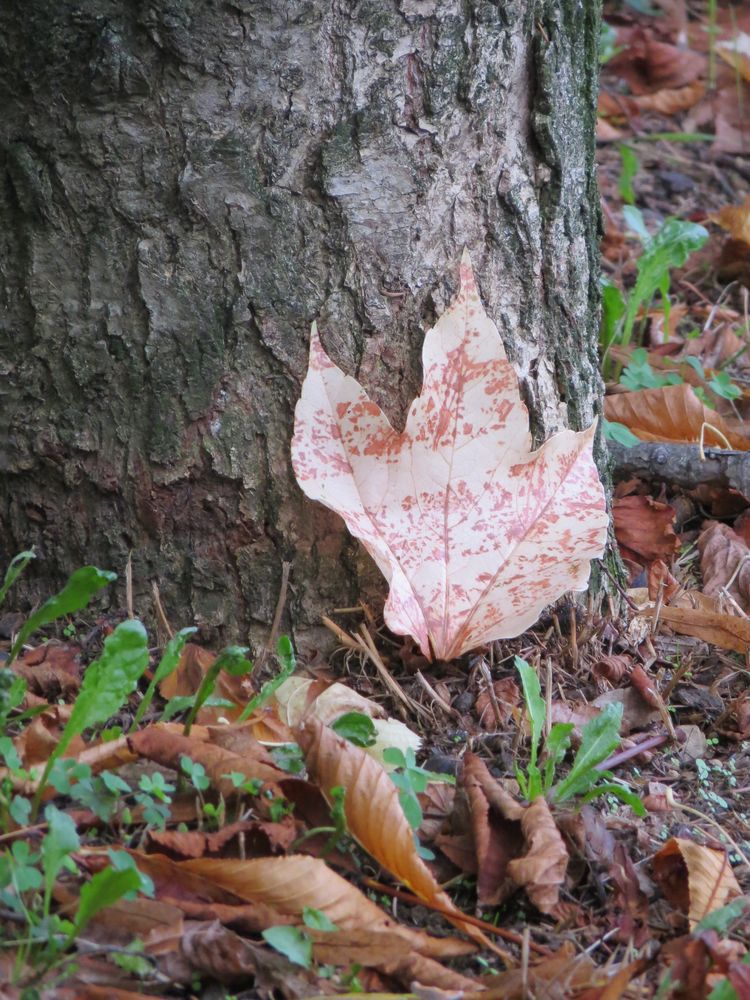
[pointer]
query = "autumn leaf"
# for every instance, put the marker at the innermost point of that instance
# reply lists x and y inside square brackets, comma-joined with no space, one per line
[475,533]
[671,413]
[714,627]
[291,883]
[167,748]
[644,527]
[374,815]
[694,878]
[725,562]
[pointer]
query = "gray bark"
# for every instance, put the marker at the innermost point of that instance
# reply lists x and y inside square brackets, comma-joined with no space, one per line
[188,184]
[682,465]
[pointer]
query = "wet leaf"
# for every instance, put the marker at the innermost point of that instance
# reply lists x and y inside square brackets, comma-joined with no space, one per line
[474,532]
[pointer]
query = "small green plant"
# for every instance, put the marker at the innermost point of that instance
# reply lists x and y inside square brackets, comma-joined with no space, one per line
[17,565]
[288,663]
[233,660]
[289,758]
[356,727]
[107,684]
[155,798]
[75,595]
[627,174]
[27,879]
[293,942]
[214,812]
[167,664]
[608,47]
[411,780]
[668,248]
[600,737]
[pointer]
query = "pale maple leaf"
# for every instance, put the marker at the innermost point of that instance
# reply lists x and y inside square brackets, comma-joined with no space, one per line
[475,533]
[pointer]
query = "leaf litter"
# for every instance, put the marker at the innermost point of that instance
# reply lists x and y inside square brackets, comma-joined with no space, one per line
[422,852]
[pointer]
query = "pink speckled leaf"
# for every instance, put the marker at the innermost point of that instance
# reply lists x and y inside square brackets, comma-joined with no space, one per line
[475,533]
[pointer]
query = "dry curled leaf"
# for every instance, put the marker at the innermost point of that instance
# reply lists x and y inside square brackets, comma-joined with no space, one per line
[496,829]
[541,870]
[671,413]
[671,100]
[291,883]
[714,627]
[507,697]
[374,815]
[650,65]
[724,557]
[644,527]
[661,582]
[167,748]
[694,878]
[475,533]
[735,219]
[612,668]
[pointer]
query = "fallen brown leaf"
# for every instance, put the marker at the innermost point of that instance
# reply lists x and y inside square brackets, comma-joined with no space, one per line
[259,838]
[644,527]
[41,736]
[388,952]
[725,562]
[374,815]
[714,627]
[291,883]
[661,582]
[670,413]
[507,697]
[695,879]
[649,65]
[212,950]
[563,975]
[496,828]
[735,219]
[166,748]
[541,870]
[188,675]
[671,100]
[612,668]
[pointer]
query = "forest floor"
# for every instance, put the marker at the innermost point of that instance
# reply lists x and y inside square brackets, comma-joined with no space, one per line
[370,822]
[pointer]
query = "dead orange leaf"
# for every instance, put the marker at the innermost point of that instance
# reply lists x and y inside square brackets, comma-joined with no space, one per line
[671,100]
[374,815]
[166,748]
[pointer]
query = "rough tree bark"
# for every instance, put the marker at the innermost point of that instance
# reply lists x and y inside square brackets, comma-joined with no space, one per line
[187,184]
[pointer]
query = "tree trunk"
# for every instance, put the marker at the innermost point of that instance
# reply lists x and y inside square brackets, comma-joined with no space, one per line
[188,184]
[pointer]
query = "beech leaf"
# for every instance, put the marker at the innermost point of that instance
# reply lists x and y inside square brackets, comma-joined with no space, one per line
[475,533]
